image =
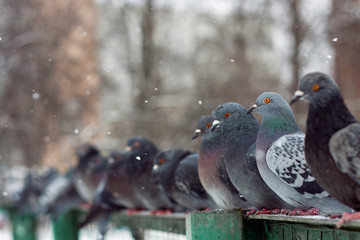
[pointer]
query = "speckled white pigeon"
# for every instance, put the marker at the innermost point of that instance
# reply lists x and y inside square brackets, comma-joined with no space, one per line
[280,157]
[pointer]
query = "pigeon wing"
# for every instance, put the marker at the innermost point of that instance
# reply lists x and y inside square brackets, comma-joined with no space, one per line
[286,159]
[345,149]
[187,178]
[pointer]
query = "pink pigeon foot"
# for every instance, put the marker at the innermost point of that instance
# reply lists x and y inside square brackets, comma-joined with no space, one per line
[346,217]
[132,211]
[300,212]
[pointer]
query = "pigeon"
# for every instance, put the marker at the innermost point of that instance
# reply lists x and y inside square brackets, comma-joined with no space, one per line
[177,171]
[332,142]
[211,167]
[60,195]
[280,157]
[103,206]
[130,180]
[89,171]
[36,182]
[239,131]
[119,184]
[12,182]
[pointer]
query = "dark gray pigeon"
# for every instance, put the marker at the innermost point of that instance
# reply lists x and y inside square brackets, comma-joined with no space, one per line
[89,171]
[119,183]
[332,142]
[36,182]
[60,195]
[102,207]
[281,160]
[211,167]
[130,179]
[239,131]
[177,171]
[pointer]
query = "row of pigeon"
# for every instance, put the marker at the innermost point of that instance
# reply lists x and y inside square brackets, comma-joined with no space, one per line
[241,164]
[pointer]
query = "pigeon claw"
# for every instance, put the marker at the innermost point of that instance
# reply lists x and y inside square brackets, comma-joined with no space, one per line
[300,212]
[251,212]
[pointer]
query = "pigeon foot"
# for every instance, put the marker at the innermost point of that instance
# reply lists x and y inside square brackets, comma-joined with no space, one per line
[346,217]
[132,211]
[161,212]
[300,212]
[262,211]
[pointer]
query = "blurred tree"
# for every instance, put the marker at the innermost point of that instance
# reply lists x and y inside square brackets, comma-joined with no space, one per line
[180,65]
[344,28]
[298,34]
[50,86]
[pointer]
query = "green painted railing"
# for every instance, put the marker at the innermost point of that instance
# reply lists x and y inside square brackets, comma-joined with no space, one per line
[225,224]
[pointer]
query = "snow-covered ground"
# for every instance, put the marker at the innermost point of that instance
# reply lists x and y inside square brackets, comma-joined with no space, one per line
[90,233]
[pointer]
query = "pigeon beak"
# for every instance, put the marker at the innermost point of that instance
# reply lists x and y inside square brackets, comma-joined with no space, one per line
[298,95]
[197,133]
[111,160]
[155,167]
[250,110]
[215,125]
[128,149]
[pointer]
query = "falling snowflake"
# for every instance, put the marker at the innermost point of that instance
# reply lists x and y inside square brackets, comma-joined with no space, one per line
[35,95]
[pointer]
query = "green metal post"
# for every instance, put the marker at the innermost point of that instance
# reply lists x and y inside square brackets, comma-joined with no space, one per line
[221,225]
[23,225]
[65,227]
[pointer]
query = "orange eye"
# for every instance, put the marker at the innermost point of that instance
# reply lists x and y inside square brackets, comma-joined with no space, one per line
[208,125]
[266,100]
[136,144]
[226,114]
[315,87]
[161,161]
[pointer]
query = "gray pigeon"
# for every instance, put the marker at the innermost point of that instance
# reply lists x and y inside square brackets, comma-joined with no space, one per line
[332,143]
[281,160]
[211,167]
[176,171]
[239,131]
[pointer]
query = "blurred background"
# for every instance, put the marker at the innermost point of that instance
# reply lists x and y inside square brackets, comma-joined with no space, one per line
[101,71]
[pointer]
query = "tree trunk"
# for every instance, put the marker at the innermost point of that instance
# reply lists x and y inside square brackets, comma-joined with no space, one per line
[344,28]
[52,84]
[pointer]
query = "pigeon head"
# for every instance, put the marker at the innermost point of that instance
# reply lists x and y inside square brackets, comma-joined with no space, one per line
[165,160]
[117,155]
[270,103]
[231,113]
[315,87]
[141,156]
[141,144]
[88,155]
[203,126]
[86,150]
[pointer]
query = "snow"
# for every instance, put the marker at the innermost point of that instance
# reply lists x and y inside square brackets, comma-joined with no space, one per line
[35,95]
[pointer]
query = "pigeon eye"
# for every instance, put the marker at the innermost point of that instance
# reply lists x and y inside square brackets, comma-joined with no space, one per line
[266,100]
[208,125]
[315,87]
[161,161]
[226,114]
